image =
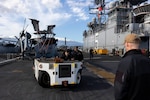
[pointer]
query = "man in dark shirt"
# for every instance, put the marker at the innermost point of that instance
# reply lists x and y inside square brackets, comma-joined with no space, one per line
[66,55]
[91,53]
[77,54]
[132,81]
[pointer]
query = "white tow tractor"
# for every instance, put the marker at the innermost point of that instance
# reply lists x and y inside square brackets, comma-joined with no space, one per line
[48,69]
[51,72]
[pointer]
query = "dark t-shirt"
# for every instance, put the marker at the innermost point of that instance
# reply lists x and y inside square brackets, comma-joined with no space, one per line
[77,55]
[132,81]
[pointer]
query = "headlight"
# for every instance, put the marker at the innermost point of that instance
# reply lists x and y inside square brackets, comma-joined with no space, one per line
[40,66]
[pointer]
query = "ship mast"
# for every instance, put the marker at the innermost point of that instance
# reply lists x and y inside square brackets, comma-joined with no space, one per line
[100,13]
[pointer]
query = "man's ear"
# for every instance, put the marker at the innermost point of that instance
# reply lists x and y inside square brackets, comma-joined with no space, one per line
[127,44]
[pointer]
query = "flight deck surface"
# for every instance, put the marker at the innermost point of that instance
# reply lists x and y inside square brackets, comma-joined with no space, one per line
[18,83]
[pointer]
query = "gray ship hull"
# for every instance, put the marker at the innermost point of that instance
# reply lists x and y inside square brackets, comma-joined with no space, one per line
[121,21]
[7,49]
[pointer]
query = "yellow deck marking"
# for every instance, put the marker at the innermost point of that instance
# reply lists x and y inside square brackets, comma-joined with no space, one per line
[101,72]
[17,71]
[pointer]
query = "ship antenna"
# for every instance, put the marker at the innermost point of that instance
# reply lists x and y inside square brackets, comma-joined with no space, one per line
[24,23]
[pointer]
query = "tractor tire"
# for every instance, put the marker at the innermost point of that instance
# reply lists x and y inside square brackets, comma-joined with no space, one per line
[78,77]
[44,79]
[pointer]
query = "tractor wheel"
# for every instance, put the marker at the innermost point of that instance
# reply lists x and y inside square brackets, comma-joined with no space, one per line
[44,79]
[78,78]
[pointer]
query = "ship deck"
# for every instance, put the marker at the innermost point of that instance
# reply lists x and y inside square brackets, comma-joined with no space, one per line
[18,82]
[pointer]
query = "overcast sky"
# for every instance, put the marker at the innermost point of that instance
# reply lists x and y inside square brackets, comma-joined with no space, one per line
[69,16]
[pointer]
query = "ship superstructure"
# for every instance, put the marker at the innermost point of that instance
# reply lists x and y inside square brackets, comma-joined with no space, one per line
[123,18]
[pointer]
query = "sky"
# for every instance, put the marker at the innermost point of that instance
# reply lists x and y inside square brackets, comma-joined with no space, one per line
[69,16]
